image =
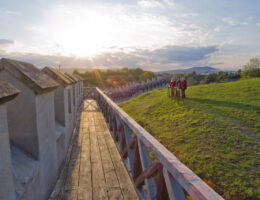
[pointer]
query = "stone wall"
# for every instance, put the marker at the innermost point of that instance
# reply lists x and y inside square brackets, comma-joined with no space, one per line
[37,120]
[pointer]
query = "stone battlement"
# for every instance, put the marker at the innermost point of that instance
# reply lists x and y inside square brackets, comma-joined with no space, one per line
[37,117]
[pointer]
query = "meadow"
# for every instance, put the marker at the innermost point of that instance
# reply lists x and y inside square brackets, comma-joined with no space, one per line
[215,131]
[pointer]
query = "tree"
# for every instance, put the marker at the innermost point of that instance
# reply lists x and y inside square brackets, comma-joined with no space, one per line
[252,68]
[147,75]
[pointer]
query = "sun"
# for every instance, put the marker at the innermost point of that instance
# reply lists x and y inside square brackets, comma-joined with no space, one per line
[83,37]
[86,33]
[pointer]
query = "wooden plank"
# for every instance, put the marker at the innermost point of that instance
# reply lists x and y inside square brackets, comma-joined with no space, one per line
[125,182]
[115,194]
[148,173]
[95,169]
[84,194]
[174,189]
[145,161]
[85,181]
[128,138]
[108,167]
[98,179]
[70,194]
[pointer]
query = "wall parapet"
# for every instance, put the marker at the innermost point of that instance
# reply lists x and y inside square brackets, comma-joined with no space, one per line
[37,118]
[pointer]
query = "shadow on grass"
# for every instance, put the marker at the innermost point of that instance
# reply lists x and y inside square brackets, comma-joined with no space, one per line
[227,104]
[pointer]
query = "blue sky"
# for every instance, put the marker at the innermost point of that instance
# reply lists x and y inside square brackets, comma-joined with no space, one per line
[151,34]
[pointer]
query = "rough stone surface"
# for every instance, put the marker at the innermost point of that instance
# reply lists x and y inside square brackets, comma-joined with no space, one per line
[47,144]
[26,173]
[7,91]
[56,75]
[6,176]
[29,75]
[22,117]
[68,76]
[72,77]
[79,77]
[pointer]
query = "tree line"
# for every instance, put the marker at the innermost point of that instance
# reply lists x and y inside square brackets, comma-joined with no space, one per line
[116,77]
[119,77]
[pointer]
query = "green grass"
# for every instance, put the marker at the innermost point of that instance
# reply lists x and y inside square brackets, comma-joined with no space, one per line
[215,132]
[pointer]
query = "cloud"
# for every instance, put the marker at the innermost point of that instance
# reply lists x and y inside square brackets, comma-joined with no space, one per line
[169,3]
[9,12]
[167,57]
[155,4]
[150,4]
[190,28]
[245,21]
[188,15]
[6,42]
[229,21]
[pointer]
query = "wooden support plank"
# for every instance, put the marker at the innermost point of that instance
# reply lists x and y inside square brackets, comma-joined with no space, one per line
[145,161]
[130,152]
[148,173]
[162,193]
[175,191]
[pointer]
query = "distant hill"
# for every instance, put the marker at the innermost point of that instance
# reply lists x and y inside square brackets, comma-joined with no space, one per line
[71,70]
[198,70]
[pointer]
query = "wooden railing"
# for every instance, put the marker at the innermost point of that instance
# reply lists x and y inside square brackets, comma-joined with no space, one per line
[163,178]
[89,92]
[125,92]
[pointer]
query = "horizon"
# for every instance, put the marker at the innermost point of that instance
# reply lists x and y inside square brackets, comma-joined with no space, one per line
[149,34]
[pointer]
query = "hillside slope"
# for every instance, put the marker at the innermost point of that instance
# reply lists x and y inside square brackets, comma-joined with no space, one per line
[215,132]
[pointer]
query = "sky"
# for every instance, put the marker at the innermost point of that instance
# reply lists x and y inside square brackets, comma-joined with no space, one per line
[150,34]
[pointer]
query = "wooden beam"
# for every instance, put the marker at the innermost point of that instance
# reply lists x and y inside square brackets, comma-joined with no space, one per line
[148,173]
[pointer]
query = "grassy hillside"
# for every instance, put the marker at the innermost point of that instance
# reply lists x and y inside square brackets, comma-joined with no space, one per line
[215,132]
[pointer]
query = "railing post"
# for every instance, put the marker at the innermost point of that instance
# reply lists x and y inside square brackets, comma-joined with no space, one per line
[128,138]
[145,161]
[174,189]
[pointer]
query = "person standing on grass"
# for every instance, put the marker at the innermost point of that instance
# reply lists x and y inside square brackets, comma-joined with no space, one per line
[172,85]
[178,84]
[183,87]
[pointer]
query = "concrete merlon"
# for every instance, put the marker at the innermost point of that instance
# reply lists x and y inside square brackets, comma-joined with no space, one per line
[30,75]
[7,91]
[74,78]
[57,76]
[79,77]
[72,81]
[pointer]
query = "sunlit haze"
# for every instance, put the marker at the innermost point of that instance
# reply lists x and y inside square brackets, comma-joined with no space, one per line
[150,34]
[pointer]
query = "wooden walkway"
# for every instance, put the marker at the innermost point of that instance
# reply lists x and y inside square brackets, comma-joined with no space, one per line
[95,169]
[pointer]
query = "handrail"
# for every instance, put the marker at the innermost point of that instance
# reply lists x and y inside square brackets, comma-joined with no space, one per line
[164,178]
[127,91]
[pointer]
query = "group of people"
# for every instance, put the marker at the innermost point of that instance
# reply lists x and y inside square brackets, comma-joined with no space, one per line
[178,86]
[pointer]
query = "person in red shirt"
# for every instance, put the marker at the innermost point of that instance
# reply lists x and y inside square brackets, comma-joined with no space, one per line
[183,87]
[172,85]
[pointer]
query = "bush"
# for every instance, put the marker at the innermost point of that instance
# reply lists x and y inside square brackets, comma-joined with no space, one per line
[252,69]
